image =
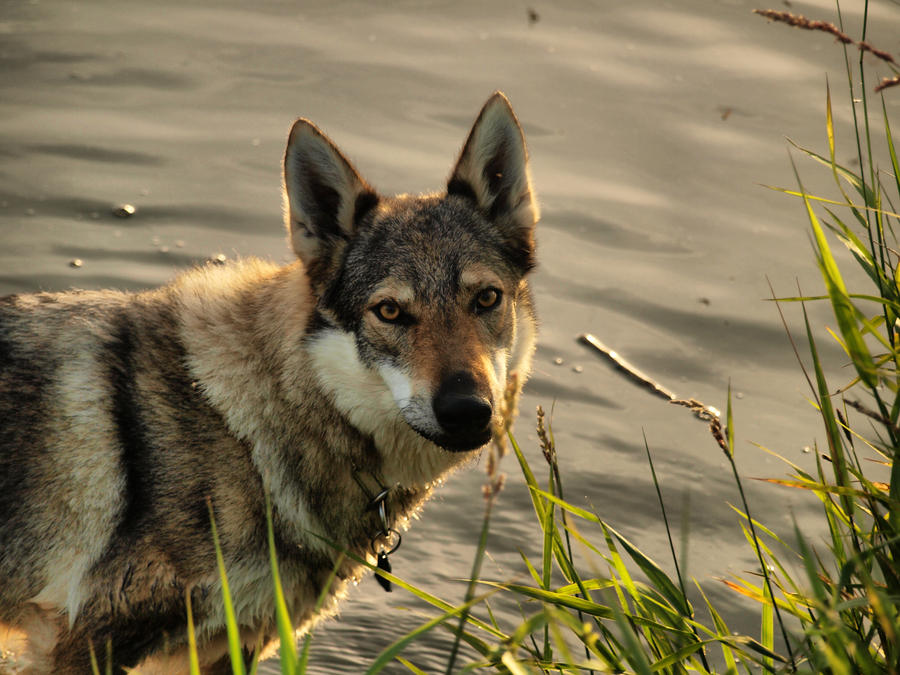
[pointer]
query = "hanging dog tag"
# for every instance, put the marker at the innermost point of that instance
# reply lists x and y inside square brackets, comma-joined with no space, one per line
[391,539]
[384,564]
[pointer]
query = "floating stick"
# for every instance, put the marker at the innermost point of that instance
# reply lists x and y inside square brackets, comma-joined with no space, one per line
[701,410]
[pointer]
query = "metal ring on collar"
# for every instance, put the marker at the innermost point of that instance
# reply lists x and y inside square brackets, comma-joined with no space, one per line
[379,498]
[387,534]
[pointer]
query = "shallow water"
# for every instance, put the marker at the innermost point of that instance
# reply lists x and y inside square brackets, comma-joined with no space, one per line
[650,126]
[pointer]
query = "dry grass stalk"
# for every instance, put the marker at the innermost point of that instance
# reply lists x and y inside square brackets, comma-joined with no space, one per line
[498,448]
[888,82]
[699,408]
[718,432]
[799,21]
[547,446]
[877,416]
[707,414]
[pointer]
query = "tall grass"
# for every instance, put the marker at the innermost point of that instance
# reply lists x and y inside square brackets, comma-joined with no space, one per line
[591,600]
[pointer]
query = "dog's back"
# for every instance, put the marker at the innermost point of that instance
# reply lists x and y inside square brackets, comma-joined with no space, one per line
[108,452]
[123,419]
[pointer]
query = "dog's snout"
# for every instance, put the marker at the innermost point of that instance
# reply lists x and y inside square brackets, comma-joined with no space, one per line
[459,407]
[458,413]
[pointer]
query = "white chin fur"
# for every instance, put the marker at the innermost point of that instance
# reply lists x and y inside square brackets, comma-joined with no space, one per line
[372,402]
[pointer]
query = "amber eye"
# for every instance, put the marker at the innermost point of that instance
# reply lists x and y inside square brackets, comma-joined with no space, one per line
[388,311]
[487,299]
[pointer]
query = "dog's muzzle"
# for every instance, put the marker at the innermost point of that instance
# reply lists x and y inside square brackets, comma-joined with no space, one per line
[463,413]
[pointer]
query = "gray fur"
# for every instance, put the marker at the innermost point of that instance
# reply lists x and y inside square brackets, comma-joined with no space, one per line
[124,417]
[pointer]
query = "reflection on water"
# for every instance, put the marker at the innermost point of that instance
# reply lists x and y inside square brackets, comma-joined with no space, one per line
[656,236]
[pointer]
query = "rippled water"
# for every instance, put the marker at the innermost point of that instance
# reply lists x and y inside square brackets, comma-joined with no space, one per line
[650,125]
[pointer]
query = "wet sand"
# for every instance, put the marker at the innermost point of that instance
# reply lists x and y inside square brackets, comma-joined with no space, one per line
[650,126]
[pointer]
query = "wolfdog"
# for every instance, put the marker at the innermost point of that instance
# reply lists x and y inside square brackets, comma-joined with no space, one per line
[333,392]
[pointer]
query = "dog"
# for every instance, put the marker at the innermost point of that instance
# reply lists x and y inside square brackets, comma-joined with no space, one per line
[333,393]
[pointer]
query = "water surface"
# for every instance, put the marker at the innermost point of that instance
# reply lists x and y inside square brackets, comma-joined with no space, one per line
[650,125]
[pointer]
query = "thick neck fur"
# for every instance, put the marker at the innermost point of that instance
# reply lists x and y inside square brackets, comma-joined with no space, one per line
[303,402]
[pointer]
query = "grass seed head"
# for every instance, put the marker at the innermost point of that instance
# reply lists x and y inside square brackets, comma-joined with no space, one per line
[799,21]
[547,446]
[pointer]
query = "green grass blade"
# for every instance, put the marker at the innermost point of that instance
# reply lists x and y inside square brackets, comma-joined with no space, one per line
[844,312]
[578,511]
[530,480]
[391,651]
[303,660]
[193,657]
[679,655]
[843,172]
[767,626]
[95,667]
[547,528]
[825,200]
[409,666]
[433,600]
[889,139]
[721,628]
[555,598]
[533,572]
[634,650]
[234,639]
[828,416]
[254,659]
[655,574]
[282,616]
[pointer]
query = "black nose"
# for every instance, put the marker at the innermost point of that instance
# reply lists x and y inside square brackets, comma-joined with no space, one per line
[460,409]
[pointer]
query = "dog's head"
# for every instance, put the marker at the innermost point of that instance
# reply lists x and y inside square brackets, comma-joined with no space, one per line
[431,289]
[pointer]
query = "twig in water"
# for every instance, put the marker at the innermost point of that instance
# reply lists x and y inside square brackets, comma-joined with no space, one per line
[626,367]
[798,21]
[704,412]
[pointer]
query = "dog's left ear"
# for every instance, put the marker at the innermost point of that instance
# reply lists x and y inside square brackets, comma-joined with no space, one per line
[493,171]
[325,197]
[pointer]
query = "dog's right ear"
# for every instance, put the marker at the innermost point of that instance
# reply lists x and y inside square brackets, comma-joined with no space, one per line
[325,197]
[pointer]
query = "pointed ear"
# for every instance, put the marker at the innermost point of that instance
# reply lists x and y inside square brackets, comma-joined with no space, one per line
[325,197]
[492,170]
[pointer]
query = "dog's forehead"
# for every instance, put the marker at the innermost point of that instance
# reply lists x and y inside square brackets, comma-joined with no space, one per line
[432,238]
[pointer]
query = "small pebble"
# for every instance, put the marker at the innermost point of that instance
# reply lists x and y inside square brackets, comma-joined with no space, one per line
[558,361]
[219,259]
[163,249]
[124,211]
[704,301]
[739,395]
[255,142]
[155,241]
[577,369]
[29,212]
[76,262]
[807,450]
[179,243]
